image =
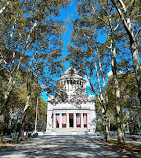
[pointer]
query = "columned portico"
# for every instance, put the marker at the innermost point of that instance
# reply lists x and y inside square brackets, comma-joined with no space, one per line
[70,120]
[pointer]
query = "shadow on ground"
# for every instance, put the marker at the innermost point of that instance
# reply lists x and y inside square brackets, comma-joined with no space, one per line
[60,147]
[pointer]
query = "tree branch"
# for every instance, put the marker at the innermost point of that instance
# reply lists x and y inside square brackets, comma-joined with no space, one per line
[123,6]
[123,20]
[137,33]
[6,5]
[130,7]
[33,59]
[99,16]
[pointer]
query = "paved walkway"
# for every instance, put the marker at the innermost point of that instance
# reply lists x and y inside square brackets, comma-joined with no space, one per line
[60,147]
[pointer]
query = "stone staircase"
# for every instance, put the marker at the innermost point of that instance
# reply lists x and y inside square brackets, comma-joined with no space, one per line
[69,131]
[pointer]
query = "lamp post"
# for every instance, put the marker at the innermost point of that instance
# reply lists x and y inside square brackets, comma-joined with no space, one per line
[36,116]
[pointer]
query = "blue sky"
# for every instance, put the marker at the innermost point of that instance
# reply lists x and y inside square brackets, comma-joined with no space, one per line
[69,14]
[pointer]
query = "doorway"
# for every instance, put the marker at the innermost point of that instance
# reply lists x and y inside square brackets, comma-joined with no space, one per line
[71,120]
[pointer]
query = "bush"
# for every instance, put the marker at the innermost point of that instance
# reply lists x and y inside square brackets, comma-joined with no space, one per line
[33,134]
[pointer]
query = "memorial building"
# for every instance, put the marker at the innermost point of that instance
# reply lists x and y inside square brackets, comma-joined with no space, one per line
[71,111]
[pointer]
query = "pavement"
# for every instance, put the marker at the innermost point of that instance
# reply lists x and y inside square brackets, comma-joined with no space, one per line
[60,147]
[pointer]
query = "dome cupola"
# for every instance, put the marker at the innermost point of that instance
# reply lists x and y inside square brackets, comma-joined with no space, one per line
[72,82]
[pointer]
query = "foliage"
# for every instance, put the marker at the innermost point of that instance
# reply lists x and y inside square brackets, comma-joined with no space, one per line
[130,105]
[31,45]
[16,105]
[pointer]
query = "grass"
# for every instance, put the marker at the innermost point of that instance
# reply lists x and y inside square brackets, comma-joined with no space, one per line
[135,149]
[8,143]
[13,142]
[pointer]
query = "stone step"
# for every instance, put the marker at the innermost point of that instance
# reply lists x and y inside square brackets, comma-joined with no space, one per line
[69,131]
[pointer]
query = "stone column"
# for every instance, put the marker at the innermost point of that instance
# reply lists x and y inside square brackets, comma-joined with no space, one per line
[67,120]
[74,120]
[54,120]
[72,85]
[63,84]
[82,126]
[88,126]
[77,83]
[60,121]
[68,85]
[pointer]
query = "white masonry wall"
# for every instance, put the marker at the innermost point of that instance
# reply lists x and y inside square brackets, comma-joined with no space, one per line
[88,108]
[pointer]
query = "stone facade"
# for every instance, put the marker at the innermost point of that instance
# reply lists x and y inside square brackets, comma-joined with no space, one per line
[71,111]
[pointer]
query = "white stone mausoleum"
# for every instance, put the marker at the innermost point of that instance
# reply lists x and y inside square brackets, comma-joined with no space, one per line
[71,111]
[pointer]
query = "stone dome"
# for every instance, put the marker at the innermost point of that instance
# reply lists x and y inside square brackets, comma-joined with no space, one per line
[72,82]
[71,73]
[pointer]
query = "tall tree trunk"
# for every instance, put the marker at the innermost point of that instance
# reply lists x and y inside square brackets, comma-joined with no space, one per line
[117,96]
[128,131]
[2,112]
[15,126]
[36,116]
[117,109]
[105,128]
[101,100]
[21,134]
[137,66]
[10,120]
[4,104]
[106,132]
[1,128]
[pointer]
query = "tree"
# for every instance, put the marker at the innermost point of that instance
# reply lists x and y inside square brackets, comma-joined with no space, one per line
[30,27]
[129,15]
[98,17]
[88,59]
[16,105]
[130,106]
